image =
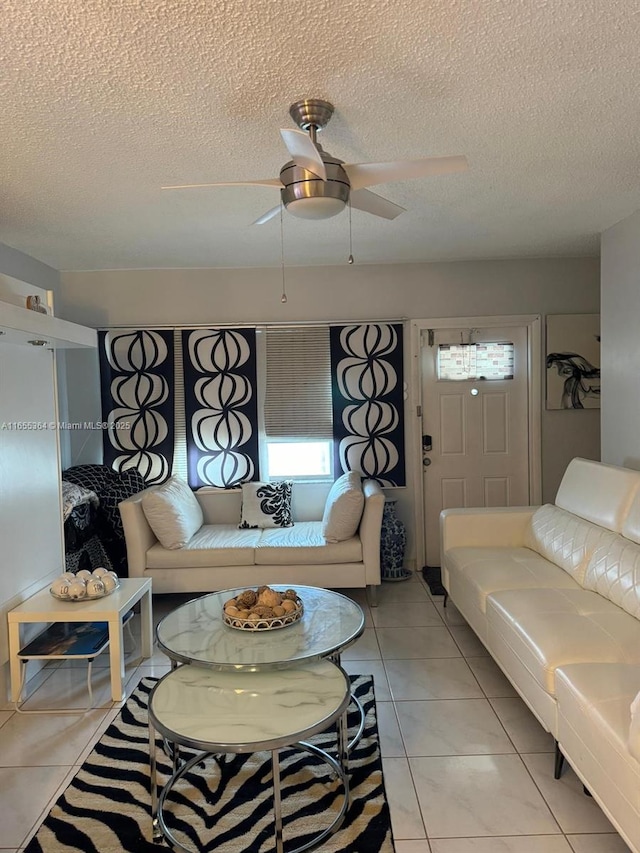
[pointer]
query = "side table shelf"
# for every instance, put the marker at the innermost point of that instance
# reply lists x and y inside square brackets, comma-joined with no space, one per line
[67,641]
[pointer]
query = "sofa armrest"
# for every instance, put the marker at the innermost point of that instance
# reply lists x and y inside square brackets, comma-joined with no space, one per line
[370,526]
[484,527]
[139,537]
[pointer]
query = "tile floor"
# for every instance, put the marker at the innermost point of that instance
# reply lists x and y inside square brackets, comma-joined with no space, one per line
[467,768]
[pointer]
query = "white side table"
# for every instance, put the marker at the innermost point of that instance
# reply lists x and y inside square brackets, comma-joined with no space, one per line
[43,607]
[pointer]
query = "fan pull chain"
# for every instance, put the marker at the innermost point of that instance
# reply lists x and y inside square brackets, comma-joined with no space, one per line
[283,298]
[350,259]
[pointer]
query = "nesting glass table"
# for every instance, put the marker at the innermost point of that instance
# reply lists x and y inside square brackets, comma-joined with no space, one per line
[196,633]
[215,713]
[227,666]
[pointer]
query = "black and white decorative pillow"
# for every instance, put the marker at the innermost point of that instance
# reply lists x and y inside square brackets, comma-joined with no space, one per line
[266,505]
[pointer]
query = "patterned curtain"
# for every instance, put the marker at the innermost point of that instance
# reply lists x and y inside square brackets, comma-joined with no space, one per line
[368,401]
[136,371]
[220,406]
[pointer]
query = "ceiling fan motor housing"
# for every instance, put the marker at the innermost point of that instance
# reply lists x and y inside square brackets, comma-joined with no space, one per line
[308,196]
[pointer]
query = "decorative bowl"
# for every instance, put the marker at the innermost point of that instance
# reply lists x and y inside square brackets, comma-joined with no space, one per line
[88,587]
[260,621]
[86,597]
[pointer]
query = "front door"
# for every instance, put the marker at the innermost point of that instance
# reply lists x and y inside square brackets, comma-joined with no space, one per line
[475,422]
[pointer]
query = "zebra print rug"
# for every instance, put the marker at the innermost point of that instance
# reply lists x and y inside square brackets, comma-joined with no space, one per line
[224,804]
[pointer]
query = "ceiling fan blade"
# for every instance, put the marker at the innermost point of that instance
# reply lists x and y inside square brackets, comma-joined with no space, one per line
[303,152]
[373,203]
[268,215]
[267,182]
[369,174]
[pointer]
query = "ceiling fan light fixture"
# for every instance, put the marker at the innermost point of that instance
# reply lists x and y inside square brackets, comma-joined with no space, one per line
[309,198]
[315,207]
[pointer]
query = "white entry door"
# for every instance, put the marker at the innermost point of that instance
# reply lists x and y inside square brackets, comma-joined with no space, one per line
[475,422]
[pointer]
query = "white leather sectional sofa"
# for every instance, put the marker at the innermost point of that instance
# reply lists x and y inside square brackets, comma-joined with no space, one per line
[221,556]
[554,594]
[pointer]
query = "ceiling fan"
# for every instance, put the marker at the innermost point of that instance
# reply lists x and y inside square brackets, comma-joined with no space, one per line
[316,185]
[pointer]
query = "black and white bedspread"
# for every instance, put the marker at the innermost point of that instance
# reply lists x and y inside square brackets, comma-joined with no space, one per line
[78,498]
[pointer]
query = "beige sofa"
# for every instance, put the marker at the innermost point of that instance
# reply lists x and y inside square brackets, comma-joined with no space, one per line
[220,556]
[554,594]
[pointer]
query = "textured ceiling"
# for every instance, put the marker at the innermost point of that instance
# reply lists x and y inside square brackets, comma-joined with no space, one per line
[104,101]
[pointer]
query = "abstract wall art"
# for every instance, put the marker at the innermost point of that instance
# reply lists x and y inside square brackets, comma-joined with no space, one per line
[573,361]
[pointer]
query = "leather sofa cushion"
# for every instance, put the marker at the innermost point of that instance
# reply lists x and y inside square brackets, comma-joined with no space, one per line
[488,570]
[598,493]
[631,526]
[565,539]
[547,629]
[594,700]
[212,545]
[634,731]
[304,543]
[614,572]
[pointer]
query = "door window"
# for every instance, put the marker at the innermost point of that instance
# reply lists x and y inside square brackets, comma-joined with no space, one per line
[458,362]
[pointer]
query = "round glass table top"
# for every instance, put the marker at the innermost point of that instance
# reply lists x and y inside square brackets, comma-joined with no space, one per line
[196,633]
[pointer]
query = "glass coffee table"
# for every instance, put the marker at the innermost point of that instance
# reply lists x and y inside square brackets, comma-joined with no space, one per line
[195,633]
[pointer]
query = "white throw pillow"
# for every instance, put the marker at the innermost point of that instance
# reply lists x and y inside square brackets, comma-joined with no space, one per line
[173,513]
[343,508]
[266,505]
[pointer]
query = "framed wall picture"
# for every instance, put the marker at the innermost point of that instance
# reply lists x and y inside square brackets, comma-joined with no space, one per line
[573,361]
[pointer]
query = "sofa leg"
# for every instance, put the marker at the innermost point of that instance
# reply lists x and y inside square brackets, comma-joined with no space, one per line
[372,595]
[446,597]
[559,761]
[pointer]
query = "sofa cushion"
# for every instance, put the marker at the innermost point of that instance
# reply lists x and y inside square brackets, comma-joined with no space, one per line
[565,539]
[598,493]
[173,512]
[631,526]
[483,571]
[212,545]
[266,505]
[343,509]
[547,629]
[304,544]
[614,572]
[634,729]
[593,728]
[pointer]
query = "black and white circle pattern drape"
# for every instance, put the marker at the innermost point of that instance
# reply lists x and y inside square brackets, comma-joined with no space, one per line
[137,368]
[220,406]
[368,401]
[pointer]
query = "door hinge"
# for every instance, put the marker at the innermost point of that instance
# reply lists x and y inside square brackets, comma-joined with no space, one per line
[430,337]
[419,411]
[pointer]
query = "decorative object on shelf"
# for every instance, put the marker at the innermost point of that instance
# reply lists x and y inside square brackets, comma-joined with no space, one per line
[84,584]
[263,609]
[34,303]
[393,541]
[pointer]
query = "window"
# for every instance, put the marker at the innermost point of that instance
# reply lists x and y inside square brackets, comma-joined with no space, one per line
[298,414]
[299,459]
[459,362]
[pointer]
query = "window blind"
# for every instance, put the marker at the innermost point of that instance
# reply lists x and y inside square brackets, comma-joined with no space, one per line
[180,451]
[298,383]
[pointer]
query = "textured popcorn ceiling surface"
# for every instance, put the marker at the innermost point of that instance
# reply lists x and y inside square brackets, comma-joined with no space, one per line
[103,101]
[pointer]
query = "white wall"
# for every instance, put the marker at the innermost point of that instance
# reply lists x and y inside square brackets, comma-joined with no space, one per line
[621,343]
[30,514]
[197,296]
